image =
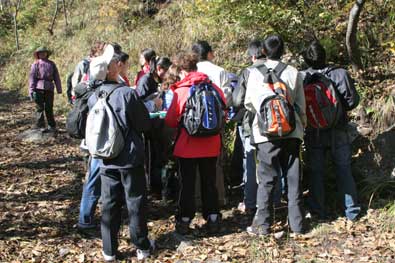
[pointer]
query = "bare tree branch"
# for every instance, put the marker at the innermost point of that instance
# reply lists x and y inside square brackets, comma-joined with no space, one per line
[15,16]
[351,36]
[65,13]
[50,29]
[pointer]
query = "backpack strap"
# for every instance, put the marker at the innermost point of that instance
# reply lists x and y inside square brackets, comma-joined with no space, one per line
[280,68]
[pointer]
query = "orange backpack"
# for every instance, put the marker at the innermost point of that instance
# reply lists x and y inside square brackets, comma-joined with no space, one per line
[276,117]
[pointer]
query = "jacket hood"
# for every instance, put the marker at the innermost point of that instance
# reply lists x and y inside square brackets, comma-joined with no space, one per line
[190,79]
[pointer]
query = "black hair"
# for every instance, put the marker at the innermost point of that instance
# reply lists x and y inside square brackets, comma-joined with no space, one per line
[117,47]
[255,49]
[148,54]
[315,55]
[163,62]
[123,57]
[202,48]
[273,47]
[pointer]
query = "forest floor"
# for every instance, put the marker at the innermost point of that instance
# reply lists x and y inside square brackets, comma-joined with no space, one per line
[40,190]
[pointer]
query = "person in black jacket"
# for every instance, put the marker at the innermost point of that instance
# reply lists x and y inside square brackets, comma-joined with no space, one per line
[123,176]
[149,83]
[244,119]
[148,90]
[335,139]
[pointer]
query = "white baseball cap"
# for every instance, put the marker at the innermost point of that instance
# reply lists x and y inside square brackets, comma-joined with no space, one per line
[98,65]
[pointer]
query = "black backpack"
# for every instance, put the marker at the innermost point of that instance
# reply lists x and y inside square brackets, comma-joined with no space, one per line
[204,111]
[76,119]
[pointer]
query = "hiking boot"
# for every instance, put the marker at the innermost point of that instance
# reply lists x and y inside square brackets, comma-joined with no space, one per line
[143,254]
[257,230]
[183,228]
[108,258]
[213,227]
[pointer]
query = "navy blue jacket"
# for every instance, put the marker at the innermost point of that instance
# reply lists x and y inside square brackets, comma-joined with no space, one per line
[133,118]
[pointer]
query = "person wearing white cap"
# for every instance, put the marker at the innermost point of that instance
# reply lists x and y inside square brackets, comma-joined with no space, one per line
[122,176]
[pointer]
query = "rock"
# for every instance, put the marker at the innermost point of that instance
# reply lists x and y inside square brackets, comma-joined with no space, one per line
[63,252]
[35,135]
[279,235]
[184,245]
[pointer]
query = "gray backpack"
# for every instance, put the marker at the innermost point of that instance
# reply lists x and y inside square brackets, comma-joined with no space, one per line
[104,137]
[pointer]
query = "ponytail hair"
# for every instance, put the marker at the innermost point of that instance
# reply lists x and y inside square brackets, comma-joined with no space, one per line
[163,62]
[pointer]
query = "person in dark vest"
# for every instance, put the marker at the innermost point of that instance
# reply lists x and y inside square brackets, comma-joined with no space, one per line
[43,78]
[334,140]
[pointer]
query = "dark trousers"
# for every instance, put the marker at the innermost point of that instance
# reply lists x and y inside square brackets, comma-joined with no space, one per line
[276,158]
[336,142]
[131,184]
[44,104]
[209,193]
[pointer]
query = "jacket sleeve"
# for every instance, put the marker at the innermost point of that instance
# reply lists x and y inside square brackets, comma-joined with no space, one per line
[226,88]
[56,78]
[138,114]
[346,88]
[239,93]
[300,101]
[33,77]
[77,75]
[143,87]
[173,113]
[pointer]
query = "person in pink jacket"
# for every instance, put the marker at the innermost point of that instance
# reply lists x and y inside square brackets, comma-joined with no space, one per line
[193,152]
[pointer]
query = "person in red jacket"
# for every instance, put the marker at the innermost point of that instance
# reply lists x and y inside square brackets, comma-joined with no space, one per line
[193,152]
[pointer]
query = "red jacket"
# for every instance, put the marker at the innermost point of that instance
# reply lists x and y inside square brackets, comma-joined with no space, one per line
[188,146]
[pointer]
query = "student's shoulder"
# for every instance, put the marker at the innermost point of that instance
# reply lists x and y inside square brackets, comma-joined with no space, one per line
[291,69]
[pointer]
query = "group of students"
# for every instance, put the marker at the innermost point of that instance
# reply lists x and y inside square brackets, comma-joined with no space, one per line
[273,114]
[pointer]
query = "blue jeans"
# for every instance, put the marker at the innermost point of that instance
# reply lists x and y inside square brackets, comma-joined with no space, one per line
[90,194]
[249,172]
[337,141]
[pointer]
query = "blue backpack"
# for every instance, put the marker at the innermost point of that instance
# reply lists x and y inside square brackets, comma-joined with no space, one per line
[204,111]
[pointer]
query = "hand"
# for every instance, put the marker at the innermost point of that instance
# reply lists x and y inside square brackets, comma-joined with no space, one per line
[158,103]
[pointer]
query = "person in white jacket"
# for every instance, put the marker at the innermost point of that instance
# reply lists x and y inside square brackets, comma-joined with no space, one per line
[276,155]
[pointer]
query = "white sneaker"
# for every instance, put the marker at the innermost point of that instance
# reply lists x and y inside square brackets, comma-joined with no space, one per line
[107,258]
[143,254]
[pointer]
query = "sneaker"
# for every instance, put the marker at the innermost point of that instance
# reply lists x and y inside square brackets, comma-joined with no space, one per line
[108,258]
[143,254]
[182,227]
[257,230]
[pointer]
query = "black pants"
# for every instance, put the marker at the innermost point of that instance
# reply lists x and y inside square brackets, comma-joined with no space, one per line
[209,193]
[276,158]
[131,184]
[44,104]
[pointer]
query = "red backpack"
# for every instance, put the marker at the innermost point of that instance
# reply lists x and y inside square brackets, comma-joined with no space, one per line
[323,106]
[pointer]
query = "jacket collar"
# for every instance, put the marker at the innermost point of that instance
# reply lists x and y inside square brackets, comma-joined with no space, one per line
[192,78]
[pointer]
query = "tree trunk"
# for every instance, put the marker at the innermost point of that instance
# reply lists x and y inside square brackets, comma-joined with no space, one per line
[50,29]
[15,16]
[65,13]
[351,36]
